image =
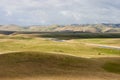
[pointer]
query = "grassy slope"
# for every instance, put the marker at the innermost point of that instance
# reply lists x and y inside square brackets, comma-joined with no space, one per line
[103,41]
[43,63]
[43,46]
[109,41]
[36,64]
[76,47]
[112,67]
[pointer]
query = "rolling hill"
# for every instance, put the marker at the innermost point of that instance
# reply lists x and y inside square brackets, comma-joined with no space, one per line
[93,28]
[48,66]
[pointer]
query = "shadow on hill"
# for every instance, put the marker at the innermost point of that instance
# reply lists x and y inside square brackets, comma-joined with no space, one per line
[64,35]
[110,64]
[78,35]
[23,64]
[7,32]
[26,64]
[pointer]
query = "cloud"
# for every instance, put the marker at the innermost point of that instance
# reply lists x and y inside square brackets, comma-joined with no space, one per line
[26,12]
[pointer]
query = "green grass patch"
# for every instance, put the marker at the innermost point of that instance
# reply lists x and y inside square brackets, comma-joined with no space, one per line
[112,67]
[77,47]
[104,41]
[107,51]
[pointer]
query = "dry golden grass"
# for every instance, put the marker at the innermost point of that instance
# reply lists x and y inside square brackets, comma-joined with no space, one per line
[48,66]
[27,57]
[104,41]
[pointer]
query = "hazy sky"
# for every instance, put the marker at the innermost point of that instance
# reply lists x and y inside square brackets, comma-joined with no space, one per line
[34,12]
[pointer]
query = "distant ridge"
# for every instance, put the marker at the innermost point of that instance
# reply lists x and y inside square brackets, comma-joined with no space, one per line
[93,28]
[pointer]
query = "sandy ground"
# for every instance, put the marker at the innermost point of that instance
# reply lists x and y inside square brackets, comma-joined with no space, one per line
[87,77]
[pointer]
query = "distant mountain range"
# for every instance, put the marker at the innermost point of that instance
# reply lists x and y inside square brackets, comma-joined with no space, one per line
[93,28]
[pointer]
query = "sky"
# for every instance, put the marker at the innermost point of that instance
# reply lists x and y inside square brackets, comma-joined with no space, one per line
[44,12]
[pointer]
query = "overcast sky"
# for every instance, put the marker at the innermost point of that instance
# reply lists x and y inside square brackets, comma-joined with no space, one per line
[35,12]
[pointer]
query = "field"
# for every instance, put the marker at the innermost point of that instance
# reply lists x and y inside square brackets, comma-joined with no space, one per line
[59,57]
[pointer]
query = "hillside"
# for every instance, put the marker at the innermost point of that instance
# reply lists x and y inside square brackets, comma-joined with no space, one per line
[93,28]
[10,27]
[48,66]
[32,57]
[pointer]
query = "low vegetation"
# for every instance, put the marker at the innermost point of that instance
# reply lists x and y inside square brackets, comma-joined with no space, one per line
[35,63]
[23,43]
[104,41]
[112,67]
[78,35]
[32,56]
